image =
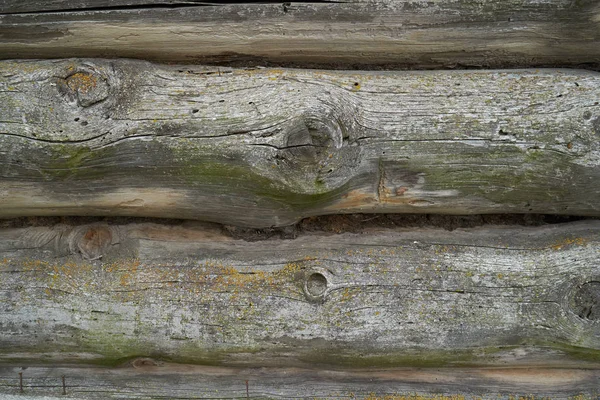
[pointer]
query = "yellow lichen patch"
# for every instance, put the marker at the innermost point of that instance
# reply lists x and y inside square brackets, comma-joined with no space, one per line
[569,242]
[30,265]
[275,72]
[349,293]
[129,281]
[290,268]
[230,279]
[419,397]
[580,397]
[346,294]
[82,82]
[207,279]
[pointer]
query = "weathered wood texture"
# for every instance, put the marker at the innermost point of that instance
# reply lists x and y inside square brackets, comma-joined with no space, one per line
[188,293]
[264,147]
[425,34]
[146,378]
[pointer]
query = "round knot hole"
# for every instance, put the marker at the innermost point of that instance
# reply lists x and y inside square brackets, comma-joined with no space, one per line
[586,301]
[315,286]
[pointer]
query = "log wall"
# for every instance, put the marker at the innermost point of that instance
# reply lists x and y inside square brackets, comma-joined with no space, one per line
[232,300]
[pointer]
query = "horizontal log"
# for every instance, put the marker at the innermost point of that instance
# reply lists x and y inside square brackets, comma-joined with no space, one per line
[264,147]
[104,293]
[147,378]
[400,33]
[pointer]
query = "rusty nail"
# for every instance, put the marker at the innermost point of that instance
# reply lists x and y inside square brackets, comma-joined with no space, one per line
[21,382]
[64,386]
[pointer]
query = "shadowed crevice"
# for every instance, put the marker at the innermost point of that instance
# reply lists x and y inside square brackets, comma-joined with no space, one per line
[331,224]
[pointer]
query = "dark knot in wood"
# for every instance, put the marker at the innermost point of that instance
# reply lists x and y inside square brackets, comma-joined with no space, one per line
[586,301]
[319,146]
[312,139]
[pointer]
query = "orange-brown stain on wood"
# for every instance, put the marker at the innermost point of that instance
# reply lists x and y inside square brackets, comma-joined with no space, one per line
[359,200]
[354,199]
[82,82]
[94,242]
[401,190]
[569,242]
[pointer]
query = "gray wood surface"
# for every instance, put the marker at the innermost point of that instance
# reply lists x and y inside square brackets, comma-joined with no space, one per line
[267,147]
[190,293]
[150,379]
[19,6]
[394,33]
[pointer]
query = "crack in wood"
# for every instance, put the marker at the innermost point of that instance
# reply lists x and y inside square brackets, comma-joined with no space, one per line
[93,7]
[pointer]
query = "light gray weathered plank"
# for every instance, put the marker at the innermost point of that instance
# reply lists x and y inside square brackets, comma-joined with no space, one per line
[267,147]
[190,293]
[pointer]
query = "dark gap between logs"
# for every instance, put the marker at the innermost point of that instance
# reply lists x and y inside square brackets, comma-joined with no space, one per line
[332,224]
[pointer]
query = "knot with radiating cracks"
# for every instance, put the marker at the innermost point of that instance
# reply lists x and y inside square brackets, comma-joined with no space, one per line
[317,148]
[585,301]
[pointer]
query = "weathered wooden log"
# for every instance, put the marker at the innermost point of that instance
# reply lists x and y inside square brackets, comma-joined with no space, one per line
[147,378]
[263,147]
[189,293]
[424,34]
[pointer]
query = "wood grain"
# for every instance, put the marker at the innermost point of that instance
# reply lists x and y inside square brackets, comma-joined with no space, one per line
[190,293]
[267,147]
[147,378]
[394,33]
